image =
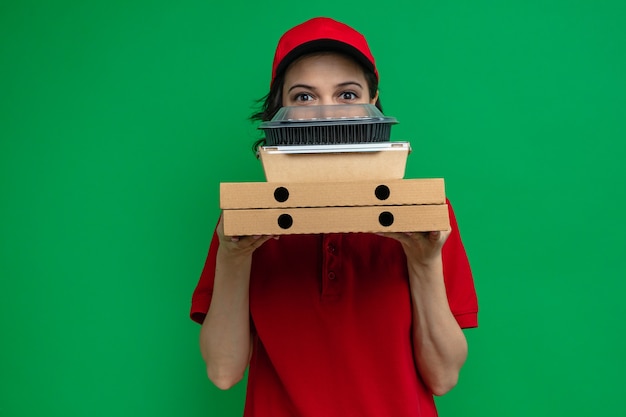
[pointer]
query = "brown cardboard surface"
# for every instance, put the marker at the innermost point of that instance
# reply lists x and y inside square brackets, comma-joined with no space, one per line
[245,195]
[418,218]
[341,166]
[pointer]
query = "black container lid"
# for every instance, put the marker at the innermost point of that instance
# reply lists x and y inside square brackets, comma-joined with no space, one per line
[327,115]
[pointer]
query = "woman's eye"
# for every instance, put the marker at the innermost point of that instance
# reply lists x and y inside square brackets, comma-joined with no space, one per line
[303,97]
[348,95]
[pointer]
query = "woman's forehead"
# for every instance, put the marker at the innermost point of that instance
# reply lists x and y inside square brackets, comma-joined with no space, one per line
[327,63]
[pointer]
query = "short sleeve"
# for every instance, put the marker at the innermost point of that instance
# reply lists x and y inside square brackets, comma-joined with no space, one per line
[201,298]
[458,277]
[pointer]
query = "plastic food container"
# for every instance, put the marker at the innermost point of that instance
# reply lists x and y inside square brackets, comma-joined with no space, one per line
[327,125]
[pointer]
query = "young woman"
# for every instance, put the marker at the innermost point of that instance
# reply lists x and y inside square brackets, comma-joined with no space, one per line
[339,324]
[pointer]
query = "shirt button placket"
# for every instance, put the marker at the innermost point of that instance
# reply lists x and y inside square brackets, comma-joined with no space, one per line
[331,267]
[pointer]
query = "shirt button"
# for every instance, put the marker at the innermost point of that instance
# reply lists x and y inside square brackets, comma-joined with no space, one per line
[331,275]
[332,249]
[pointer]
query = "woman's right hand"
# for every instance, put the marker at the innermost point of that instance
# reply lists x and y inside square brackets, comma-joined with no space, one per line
[239,246]
[225,340]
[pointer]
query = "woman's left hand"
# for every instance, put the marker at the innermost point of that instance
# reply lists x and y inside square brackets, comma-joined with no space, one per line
[439,345]
[421,247]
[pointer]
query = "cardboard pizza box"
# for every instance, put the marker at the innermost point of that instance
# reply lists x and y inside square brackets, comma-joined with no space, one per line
[245,195]
[313,220]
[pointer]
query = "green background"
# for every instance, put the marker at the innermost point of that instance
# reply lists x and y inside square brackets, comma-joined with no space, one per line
[118,120]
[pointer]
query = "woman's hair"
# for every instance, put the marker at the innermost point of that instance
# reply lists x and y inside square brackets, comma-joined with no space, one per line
[273,101]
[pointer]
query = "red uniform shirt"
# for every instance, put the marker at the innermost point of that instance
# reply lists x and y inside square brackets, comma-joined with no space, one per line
[332,325]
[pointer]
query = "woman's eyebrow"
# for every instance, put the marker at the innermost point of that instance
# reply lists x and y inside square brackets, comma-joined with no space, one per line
[307,87]
[344,84]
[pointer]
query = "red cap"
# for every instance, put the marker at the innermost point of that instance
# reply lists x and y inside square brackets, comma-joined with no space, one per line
[317,35]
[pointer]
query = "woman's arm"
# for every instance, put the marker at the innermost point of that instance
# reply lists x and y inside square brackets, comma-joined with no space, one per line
[440,347]
[225,340]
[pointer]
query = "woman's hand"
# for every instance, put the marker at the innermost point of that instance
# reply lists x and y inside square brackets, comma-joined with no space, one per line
[225,340]
[422,248]
[239,246]
[439,345]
